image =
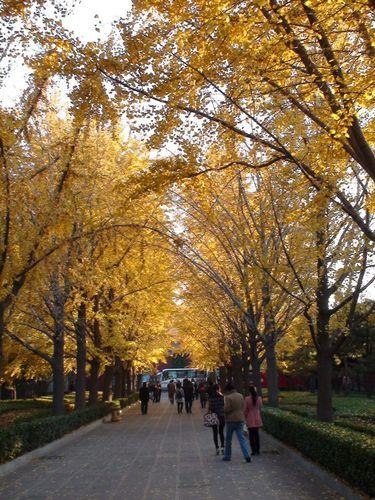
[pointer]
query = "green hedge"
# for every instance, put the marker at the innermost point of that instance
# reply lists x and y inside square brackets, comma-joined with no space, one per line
[23,404]
[353,422]
[129,400]
[346,453]
[26,436]
[363,427]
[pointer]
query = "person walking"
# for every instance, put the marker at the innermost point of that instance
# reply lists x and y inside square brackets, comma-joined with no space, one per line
[171,391]
[234,419]
[196,393]
[253,404]
[159,392]
[144,397]
[216,405]
[179,397]
[188,394]
[151,386]
[155,394]
[202,394]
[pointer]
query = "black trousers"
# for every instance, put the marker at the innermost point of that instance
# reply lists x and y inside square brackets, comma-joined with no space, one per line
[218,429]
[180,405]
[254,439]
[203,400]
[144,405]
[188,405]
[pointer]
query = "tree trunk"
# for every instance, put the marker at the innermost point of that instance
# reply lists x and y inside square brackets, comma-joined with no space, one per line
[229,372]
[256,377]
[94,379]
[107,382]
[134,376]
[223,374]
[2,328]
[58,407]
[245,369]
[324,354]
[237,373]
[324,408]
[128,378]
[80,328]
[124,381]
[95,363]
[272,376]
[118,391]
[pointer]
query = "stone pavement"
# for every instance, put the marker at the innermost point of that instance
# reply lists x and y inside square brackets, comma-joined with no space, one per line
[159,456]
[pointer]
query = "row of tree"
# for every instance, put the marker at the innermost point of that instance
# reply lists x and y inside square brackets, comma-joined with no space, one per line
[84,286]
[281,89]
[265,209]
[257,269]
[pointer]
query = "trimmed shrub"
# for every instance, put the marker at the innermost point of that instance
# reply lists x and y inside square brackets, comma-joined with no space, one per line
[357,425]
[129,400]
[354,422]
[24,404]
[133,398]
[348,454]
[26,436]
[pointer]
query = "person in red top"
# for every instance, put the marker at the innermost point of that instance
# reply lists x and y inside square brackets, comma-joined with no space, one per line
[252,406]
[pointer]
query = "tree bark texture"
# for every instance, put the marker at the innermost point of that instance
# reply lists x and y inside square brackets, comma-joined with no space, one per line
[58,375]
[238,381]
[323,340]
[272,376]
[118,391]
[94,380]
[2,326]
[324,408]
[80,329]
[96,362]
[128,378]
[223,374]
[107,382]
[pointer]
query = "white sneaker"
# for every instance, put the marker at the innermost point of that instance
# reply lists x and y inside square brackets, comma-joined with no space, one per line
[222,451]
[217,451]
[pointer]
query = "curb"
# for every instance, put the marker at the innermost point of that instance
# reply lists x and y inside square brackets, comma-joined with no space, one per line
[26,458]
[311,468]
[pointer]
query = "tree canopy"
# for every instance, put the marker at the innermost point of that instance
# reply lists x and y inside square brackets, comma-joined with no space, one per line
[204,177]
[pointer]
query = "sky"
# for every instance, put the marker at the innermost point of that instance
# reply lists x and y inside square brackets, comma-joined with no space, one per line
[82,20]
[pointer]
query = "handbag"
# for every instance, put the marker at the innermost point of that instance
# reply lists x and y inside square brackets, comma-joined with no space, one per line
[210,419]
[245,431]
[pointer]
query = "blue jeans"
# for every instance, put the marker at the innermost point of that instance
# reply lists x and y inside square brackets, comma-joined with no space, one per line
[236,427]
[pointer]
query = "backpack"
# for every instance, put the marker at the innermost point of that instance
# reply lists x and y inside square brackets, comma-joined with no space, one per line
[179,394]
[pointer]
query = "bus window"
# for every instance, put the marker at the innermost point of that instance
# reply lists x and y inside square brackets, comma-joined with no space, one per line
[169,374]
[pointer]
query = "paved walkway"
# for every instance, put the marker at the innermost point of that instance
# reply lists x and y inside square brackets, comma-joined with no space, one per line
[160,456]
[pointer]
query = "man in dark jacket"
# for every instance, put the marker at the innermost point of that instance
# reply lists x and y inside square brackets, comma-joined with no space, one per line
[189,394]
[144,397]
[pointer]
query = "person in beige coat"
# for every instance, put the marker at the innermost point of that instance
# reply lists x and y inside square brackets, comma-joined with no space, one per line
[171,391]
[234,418]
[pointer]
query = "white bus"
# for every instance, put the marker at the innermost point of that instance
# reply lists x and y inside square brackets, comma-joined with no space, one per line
[178,374]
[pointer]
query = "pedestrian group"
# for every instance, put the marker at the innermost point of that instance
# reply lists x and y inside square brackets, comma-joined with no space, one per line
[230,412]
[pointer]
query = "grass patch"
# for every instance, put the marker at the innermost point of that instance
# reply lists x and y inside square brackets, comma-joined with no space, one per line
[353,412]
